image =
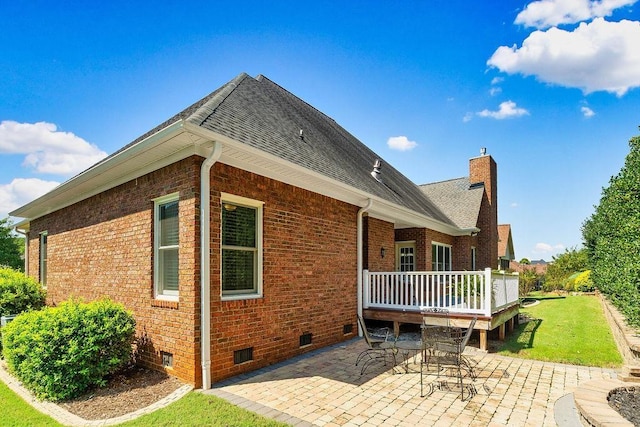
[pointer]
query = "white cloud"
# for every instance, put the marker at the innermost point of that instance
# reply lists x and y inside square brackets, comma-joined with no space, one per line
[598,56]
[547,249]
[514,205]
[550,13]
[507,110]
[495,91]
[47,149]
[587,112]
[401,143]
[21,191]
[497,80]
[467,117]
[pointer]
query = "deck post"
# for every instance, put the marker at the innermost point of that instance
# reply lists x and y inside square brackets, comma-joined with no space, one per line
[501,331]
[483,339]
[488,291]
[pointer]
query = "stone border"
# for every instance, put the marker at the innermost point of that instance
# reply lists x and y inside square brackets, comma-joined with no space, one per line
[65,417]
[626,338]
[593,405]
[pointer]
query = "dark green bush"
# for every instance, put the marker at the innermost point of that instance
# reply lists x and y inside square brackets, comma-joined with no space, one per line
[60,352]
[18,293]
[612,238]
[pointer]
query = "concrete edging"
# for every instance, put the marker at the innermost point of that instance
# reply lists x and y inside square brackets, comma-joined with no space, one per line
[65,417]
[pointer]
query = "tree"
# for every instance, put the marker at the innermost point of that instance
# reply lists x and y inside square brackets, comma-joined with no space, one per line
[11,246]
[612,238]
[525,261]
[564,265]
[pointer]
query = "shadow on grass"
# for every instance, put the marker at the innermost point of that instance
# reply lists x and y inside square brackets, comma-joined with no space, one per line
[522,337]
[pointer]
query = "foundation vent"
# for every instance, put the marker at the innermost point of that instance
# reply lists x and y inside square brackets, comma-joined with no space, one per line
[305,339]
[244,355]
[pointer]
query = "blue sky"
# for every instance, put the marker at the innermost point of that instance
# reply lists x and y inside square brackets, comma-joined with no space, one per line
[551,88]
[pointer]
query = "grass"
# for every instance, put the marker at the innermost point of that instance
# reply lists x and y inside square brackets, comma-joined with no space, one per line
[202,409]
[16,412]
[193,409]
[569,330]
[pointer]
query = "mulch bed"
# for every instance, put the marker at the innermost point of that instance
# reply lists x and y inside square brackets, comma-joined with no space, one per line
[626,401]
[127,392]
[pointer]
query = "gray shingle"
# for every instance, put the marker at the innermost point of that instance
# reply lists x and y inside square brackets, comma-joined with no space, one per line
[458,199]
[260,113]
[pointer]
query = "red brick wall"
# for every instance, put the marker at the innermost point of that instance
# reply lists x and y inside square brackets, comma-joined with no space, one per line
[103,246]
[423,247]
[378,234]
[484,169]
[309,274]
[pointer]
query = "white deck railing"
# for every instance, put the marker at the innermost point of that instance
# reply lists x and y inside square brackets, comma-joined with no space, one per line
[457,291]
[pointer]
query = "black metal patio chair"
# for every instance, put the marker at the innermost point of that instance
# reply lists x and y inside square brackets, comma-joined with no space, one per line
[448,353]
[377,349]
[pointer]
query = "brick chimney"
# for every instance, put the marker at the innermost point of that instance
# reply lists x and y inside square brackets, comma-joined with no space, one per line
[483,170]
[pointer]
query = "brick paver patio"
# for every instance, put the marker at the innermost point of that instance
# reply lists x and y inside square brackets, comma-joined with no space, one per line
[324,388]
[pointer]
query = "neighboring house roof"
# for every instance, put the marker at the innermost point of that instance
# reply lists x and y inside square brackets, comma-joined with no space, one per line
[267,130]
[458,199]
[505,242]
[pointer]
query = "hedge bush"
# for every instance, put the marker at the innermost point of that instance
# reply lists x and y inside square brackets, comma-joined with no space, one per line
[18,293]
[612,238]
[60,352]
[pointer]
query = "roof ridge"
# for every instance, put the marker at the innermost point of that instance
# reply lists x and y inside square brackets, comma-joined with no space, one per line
[443,181]
[205,110]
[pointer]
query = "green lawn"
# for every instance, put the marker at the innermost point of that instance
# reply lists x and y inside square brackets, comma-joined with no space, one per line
[565,330]
[202,409]
[193,409]
[16,412]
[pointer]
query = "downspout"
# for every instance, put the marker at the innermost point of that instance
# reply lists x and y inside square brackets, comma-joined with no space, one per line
[205,263]
[26,250]
[359,250]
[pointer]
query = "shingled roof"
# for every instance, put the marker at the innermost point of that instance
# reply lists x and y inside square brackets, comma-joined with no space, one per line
[458,199]
[258,113]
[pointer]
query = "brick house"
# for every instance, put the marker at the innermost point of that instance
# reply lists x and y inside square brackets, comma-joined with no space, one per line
[236,230]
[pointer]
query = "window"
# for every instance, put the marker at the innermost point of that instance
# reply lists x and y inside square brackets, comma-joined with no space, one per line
[241,247]
[43,258]
[440,257]
[166,244]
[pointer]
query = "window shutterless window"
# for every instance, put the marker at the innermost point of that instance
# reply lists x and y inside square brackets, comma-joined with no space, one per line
[241,247]
[43,258]
[440,257]
[166,246]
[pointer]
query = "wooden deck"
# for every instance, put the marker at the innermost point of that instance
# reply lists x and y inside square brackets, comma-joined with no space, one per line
[504,320]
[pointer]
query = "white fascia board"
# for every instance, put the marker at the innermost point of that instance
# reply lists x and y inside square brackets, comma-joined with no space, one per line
[98,179]
[324,185]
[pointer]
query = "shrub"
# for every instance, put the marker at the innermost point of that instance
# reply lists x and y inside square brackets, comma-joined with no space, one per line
[60,352]
[18,293]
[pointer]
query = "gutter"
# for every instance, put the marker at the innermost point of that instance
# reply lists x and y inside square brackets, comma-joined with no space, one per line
[359,247]
[205,263]
[26,249]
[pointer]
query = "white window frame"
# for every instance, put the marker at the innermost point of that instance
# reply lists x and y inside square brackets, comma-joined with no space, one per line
[44,258]
[159,291]
[435,261]
[259,207]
